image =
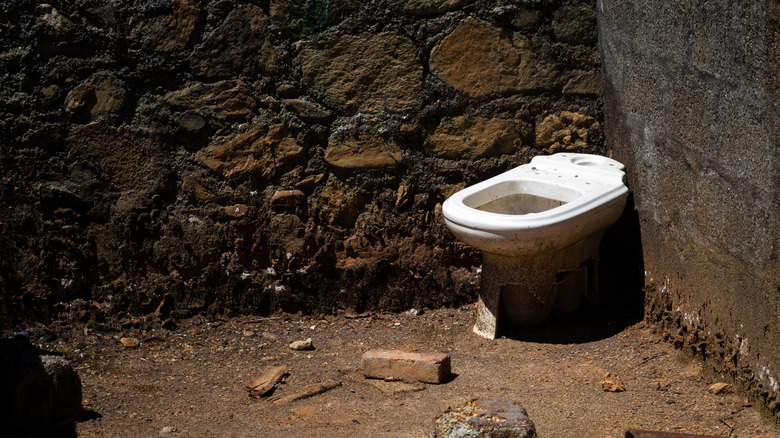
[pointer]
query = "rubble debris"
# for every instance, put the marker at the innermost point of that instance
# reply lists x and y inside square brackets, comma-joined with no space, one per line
[266,381]
[720,388]
[306,391]
[130,342]
[613,383]
[304,345]
[485,418]
[399,365]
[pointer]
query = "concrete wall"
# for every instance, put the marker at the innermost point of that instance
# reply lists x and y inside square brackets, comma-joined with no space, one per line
[692,106]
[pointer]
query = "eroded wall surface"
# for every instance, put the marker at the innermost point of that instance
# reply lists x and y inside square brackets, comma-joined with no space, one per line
[166,158]
[692,106]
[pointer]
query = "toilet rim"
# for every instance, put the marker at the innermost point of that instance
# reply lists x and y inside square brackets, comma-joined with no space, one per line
[591,201]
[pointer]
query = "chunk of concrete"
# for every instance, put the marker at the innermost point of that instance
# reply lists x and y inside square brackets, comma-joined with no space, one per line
[486,418]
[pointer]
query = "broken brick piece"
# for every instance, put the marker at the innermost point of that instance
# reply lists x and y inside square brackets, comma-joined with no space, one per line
[265,382]
[720,388]
[399,365]
[613,383]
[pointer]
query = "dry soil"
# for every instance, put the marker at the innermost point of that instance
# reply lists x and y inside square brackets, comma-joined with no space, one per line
[190,382]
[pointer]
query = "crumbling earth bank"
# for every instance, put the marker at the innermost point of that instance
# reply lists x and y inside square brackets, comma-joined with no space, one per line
[167,158]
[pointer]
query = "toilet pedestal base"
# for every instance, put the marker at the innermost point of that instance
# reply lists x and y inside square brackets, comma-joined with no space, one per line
[527,289]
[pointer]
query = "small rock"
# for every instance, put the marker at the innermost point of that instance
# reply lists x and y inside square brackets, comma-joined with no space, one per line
[564,132]
[287,198]
[129,342]
[309,183]
[239,45]
[51,17]
[588,83]
[612,383]
[236,211]
[307,111]
[167,429]
[100,94]
[513,63]
[473,137]
[259,152]
[266,381]
[485,418]
[190,121]
[720,388]
[170,32]
[399,365]
[302,345]
[230,99]
[286,90]
[364,73]
[192,185]
[364,150]
[575,24]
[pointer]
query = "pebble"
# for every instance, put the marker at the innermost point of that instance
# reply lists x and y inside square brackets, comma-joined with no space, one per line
[719,388]
[302,345]
[129,342]
[613,383]
[167,429]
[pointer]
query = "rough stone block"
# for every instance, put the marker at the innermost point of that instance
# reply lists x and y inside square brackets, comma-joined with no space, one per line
[513,63]
[485,418]
[364,73]
[399,365]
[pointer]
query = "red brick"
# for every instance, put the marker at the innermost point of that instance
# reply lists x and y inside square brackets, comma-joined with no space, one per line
[399,365]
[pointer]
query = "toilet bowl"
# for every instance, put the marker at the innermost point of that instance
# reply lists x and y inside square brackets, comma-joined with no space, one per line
[538,226]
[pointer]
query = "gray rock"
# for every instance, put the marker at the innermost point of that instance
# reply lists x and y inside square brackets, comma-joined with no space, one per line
[485,418]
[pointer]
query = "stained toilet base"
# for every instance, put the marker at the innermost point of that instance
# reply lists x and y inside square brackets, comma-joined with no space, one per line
[527,289]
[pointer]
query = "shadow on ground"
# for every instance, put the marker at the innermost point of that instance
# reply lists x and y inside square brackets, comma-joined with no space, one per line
[622,297]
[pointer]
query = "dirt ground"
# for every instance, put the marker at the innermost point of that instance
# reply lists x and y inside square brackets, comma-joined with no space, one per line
[190,382]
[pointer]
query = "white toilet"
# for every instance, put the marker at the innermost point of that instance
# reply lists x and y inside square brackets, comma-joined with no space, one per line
[538,226]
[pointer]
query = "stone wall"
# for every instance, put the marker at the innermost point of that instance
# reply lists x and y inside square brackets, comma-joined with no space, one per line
[692,106]
[164,158]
